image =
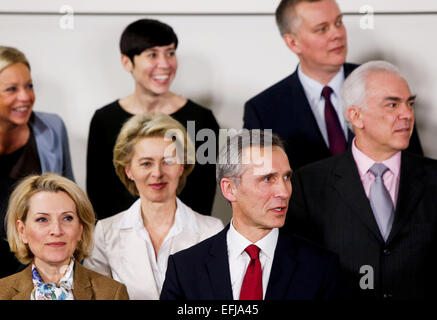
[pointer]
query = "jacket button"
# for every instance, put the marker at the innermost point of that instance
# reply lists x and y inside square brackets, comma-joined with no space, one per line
[387,296]
[387,252]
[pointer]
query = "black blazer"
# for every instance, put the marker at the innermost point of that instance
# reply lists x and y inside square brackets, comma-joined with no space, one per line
[330,207]
[300,271]
[285,109]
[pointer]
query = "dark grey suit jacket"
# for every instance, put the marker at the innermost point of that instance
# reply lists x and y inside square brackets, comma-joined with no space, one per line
[330,207]
[285,109]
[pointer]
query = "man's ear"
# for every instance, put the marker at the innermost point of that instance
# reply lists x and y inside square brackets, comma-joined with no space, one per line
[353,113]
[229,189]
[127,63]
[292,42]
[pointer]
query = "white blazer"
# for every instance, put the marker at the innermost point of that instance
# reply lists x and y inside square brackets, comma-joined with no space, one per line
[120,252]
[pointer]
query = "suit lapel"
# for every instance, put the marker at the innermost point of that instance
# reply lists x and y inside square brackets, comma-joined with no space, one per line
[304,113]
[410,191]
[347,182]
[45,141]
[23,285]
[217,264]
[82,286]
[283,268]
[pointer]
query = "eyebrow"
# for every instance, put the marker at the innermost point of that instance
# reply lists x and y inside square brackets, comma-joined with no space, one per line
[326,22]
[271,174]
[47,214]
[399,99]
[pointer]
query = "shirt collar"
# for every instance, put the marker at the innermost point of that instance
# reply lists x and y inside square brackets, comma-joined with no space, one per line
[313,89]
[184,218]
[364,163]
[238,243]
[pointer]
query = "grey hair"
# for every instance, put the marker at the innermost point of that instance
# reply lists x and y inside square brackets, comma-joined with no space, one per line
[230,160]
[354,88]
[286,18]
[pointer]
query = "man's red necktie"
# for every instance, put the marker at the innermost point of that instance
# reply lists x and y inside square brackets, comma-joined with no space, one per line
[252,287]
[337,141]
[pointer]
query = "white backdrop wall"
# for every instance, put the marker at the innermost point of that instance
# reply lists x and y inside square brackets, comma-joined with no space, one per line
[203,6]
[224,59]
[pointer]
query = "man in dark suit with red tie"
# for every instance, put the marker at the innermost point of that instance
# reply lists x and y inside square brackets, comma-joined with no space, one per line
[375,205]
[251,259]
[304,109]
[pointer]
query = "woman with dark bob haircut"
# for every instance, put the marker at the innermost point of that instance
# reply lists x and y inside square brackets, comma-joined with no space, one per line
[148,52]
[50,225]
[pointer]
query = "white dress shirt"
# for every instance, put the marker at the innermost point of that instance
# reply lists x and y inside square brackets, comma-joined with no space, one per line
[239,259]
[123,249]
[313,92]
[159,264]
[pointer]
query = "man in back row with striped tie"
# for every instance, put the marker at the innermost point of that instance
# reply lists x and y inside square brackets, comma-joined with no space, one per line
[251,259]
[374,205]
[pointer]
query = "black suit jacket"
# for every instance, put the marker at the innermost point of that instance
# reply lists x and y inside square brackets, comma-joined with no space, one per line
[284,108]
[300,271]
[330,207]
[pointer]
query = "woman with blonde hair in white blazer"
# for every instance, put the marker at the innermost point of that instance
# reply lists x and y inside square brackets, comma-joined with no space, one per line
[151,159]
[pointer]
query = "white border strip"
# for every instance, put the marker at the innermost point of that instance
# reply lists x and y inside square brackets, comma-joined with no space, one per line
[202,6]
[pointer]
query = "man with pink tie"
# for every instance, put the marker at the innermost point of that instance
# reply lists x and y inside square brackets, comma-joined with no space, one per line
[374,205]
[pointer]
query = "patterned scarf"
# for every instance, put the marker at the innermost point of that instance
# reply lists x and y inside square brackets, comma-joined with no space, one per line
[49,291]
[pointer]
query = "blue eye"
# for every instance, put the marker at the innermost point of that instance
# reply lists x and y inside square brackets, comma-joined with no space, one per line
[41,220]
[11,89]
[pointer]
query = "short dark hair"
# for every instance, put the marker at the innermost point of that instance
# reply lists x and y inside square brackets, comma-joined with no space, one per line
[286,16]
[144,34]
